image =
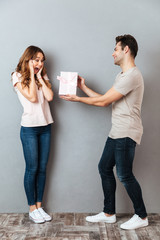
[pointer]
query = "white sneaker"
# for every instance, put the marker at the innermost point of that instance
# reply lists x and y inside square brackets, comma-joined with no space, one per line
[44,215]
[36,217]
[134,223]
[101,217]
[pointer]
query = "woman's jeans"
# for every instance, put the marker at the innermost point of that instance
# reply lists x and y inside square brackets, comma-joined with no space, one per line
[36,146]
[120,153]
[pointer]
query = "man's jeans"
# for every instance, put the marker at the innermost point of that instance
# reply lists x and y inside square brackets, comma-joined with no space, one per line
[36,145]
[120,152]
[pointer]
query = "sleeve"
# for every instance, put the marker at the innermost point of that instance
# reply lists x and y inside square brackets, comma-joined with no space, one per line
[46,77]
[15,79]
[125,85]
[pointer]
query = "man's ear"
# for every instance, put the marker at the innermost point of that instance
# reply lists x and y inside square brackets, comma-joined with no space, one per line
[126,49]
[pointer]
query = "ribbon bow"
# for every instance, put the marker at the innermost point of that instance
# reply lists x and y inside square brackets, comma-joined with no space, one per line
[67,81]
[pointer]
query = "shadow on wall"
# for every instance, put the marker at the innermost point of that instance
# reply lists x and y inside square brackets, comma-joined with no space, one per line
[55,104]
[147,161]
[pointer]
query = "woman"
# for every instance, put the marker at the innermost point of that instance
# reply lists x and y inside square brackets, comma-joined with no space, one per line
[34,92]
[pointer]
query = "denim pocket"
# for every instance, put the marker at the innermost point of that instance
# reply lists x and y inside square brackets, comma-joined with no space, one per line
[131,142]
[120,143]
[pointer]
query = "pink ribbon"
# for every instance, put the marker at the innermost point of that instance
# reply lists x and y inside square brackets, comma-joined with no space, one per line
[64,80]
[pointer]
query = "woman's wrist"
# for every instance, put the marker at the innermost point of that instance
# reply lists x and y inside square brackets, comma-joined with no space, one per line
[31,74]
[40,78]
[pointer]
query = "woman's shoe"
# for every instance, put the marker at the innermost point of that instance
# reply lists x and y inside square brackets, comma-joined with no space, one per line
[44,215]
[36,217]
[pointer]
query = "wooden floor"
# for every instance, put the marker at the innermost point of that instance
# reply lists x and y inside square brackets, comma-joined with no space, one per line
[72,226]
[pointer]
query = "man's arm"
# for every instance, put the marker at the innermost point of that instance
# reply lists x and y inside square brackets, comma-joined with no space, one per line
[89,92]
[103,100]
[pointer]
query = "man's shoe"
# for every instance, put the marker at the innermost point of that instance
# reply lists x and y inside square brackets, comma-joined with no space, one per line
[134,223]
[44,215]
[36,217]
[101,217]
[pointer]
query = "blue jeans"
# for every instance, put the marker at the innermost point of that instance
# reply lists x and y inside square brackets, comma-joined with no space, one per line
[36,146]
[120,153]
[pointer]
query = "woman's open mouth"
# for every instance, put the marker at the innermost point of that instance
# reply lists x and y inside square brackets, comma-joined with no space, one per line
[36,70]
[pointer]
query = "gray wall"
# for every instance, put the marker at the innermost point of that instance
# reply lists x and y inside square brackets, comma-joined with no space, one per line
[78,36]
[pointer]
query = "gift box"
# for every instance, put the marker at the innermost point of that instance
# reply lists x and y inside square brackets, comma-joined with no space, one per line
[68,83]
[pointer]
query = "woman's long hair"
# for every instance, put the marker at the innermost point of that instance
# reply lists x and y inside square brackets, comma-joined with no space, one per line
[23,66]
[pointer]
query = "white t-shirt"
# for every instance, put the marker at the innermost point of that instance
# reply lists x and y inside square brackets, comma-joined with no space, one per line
[34,114]
[126,112]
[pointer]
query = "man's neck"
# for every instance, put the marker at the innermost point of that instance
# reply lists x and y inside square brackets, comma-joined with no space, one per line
[125,66]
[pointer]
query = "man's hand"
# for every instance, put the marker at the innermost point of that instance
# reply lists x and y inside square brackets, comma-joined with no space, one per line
[72,98]
[81,82]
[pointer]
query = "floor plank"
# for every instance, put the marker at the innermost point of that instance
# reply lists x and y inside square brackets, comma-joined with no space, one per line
[73,226]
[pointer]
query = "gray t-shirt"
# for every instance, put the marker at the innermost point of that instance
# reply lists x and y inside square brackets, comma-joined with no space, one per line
[126,112]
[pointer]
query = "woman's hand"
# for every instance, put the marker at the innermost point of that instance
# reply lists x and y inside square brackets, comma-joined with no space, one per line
[39,73]
[31,68]
[72,98]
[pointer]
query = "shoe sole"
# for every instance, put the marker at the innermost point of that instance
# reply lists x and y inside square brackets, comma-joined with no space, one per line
[101,221]
[145,225]
[48,220]
[35,220]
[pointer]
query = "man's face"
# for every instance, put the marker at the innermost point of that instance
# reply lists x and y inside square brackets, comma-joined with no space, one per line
[118,54]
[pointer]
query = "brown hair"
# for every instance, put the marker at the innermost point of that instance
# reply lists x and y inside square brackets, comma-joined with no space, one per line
[23,66]
[130,41]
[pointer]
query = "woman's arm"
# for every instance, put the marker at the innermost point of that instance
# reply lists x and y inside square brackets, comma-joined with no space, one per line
[48,93]
[29,93]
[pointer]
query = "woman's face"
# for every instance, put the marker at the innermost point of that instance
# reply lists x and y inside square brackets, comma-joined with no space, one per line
[38,62]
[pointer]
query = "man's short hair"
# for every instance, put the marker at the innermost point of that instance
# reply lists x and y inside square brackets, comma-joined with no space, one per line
[130,41]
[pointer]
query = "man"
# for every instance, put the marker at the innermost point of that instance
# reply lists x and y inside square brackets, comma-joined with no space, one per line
[126,97]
